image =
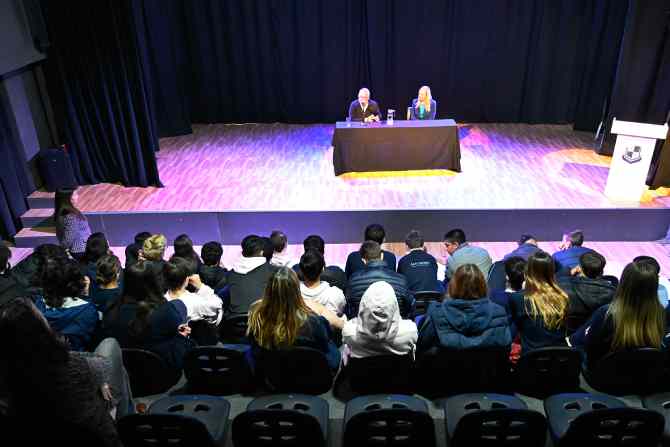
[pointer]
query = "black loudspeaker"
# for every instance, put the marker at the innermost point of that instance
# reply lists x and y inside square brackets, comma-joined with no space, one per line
[56,169]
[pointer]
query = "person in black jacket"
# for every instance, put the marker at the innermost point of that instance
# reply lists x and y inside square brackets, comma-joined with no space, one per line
[418,266]
[363,108]
[133,250]
[332,274]
[586,289]
[373,232]
[211,271]
[376,270]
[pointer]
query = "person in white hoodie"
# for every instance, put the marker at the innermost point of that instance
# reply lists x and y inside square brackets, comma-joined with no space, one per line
[249,276]
[280,256]
[312,288]
[203,304]
[379,329]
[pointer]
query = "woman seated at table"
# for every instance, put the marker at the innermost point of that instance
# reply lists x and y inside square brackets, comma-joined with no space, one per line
[424,107]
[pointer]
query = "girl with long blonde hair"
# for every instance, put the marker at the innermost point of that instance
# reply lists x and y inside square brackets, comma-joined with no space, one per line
[424,107]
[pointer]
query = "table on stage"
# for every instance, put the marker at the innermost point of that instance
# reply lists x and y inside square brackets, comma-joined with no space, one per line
[402,146]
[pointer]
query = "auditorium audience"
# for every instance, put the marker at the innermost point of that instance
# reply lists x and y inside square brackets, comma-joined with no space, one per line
[133,250]
[466,318]
[212,272]
[153,252]
[424,107]
[461,252]
[515,271]
[203,304]
[106,289]
[418,266]
[634,319]
[183,248]
[62,306]
[374,270]
[28,272]
[9,286]
[96,247]
[374,232]
[569,251]
[46,382]
[539,313]
[313,288]
[379,329]
[249,275]
[527,246]
[332,274]
[663,284]
[72,229]
[586,288]
[282,319]
[279,248]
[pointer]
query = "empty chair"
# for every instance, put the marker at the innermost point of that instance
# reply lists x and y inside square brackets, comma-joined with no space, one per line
[148,373]
[380,374]
[482,419]
[295,370]
[660,403]
[637,371]
[547,371]
[424,298]
[497,279]
[395,420]
[290,420]
[233,329]
[216,370]
[600,420]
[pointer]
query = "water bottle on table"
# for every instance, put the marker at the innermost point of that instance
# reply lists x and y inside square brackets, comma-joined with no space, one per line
[389,117]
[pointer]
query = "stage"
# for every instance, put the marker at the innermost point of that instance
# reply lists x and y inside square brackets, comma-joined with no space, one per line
[225,181]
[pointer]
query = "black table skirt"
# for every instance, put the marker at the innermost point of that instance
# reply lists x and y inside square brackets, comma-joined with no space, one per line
[403,146]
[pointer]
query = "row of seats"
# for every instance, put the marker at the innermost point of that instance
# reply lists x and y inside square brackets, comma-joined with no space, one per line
[480,419]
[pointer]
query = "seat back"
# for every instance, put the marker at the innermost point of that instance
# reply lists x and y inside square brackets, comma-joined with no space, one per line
[615,427]
[371,375]
[510,427]
[390,427]
[233,329]
[148,373]
[215,370]
[497,279]
[637,371]
[547,371]
[296,370]
[150,430]
[212,411]
[287,428]
[424,299]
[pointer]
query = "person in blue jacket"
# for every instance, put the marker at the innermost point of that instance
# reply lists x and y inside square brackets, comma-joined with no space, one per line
[424,107]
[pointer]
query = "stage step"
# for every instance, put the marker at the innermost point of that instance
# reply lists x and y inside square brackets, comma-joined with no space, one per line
[32,237]
[41,199]
[35,217]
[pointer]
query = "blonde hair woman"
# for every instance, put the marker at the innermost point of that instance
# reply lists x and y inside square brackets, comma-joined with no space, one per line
[153,248]
[539,311]
[424,107]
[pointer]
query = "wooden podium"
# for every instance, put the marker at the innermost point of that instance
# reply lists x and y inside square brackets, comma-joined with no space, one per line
[632,156]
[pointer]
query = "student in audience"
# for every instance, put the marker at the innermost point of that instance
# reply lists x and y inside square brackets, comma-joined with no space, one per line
[268,249]
[106,289]
[203,304]
[28,272]
[211,271]
[282,319]
[249,275]
[515,270]
[47,382]
[376,270]
[569,251]
[183,248]
[313,288]
[62,306]
[540,312]
[143,319]
[9,287]
[527,246]
[72,227]
[96,247]
[419,267]
[663,284]
[466,318]
[133,250]
[374,232]
[460,253]
[634,319]
[586,288]
[280,257]
[379,329]
[333,274]
[153,252]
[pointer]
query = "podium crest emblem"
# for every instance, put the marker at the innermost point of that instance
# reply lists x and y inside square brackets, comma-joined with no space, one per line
[632,154]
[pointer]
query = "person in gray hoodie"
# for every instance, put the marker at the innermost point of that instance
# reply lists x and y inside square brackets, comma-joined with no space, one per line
[379,329]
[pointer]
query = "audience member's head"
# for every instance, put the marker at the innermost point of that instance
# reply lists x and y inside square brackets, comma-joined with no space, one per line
[108,270]
[183,247]
[268,248]
[454,239]
[414,239]
[375,232]
[133,250]
[61,278]
[527,239]
[5,255]
[573,239]
[252,246]
[153,248]
[140,283]
[378,311]
[314,242]
[638,317]
[515,270]
[468,283]
[279,241]
[141,237]
[96,247]
[275,321]
[592,264]
[176,272]
[49,251]
[546,300]
[211,253]
[371,251]
[649,261]
[311,265]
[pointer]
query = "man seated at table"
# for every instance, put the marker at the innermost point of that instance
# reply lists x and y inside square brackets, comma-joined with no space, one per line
[364,108]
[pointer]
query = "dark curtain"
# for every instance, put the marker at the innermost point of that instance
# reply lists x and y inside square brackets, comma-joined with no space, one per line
[101,87]
[15,180]
[535,61]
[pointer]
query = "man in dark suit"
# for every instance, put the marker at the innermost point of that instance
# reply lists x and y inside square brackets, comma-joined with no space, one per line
[364,108]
